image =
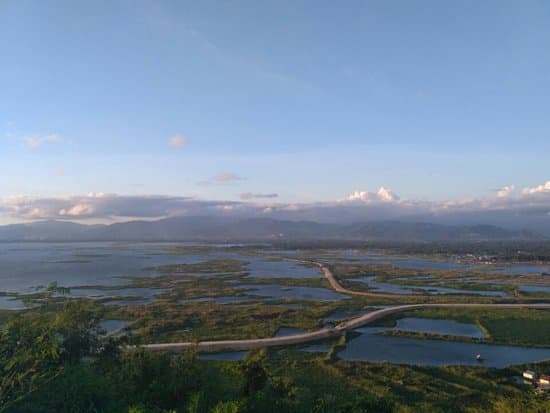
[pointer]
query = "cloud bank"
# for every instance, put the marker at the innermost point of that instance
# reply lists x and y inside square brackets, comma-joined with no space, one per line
[528,207]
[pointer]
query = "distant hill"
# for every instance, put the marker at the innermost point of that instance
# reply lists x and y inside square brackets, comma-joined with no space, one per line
[207,228]
[424,231]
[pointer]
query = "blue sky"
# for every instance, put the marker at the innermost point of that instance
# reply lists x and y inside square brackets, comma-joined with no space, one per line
[310,100]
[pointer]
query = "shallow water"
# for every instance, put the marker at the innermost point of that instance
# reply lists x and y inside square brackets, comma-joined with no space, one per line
[25,266]
[264,268]
[417,263]
[10,303]
[371,346]
[522,269]
[424,289]
[148,293]
[398,261]
[534,288]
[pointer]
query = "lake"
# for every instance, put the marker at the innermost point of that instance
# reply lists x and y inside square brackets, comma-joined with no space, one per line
[26,266]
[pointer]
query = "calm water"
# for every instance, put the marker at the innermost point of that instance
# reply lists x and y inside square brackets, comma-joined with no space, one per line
[264,268]
[534,288]
[402,261]
[371,346]
[8,303]
[522,269]
[146,293]
[425,289]
[26,266]
[425,263]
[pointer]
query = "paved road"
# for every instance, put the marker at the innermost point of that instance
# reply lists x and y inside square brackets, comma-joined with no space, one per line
[338,330]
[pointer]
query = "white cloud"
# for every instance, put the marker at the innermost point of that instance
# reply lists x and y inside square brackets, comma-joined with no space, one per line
[361,196]
[78,210]
[505,191]
[386,195]
[35,141]
[383,195]
[107,207]
[359,206]
[539,189]
[178,141]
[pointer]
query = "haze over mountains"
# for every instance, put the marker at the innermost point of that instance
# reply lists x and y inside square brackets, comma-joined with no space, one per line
[208,228]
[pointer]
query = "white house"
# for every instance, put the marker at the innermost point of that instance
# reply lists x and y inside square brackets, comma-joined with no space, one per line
[544,381]
[529,375]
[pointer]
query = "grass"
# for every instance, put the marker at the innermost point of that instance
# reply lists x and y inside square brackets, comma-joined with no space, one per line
[411,388]
[526,327]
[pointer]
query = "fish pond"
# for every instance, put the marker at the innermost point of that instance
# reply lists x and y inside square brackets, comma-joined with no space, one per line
[373,345]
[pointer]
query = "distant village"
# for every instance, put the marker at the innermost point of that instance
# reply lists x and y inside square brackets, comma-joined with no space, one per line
[492,260]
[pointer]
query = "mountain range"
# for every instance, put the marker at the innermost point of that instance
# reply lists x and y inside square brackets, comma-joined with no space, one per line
[208,228]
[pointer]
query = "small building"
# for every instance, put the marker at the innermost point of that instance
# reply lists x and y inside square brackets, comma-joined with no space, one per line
[544,380]
[529,375]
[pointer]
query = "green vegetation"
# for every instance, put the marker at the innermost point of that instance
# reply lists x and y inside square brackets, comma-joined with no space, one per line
[518,326]
[434,278]
[55,360]
[166,321]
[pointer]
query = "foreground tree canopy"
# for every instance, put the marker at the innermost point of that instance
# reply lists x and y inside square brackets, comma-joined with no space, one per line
[55,359]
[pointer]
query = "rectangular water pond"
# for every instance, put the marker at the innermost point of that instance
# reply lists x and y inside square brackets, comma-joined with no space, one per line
[375,347]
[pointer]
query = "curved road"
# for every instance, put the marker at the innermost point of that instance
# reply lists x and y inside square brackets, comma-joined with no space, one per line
[338,330]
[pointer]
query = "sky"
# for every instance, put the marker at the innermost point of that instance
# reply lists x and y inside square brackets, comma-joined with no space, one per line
[272,104]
